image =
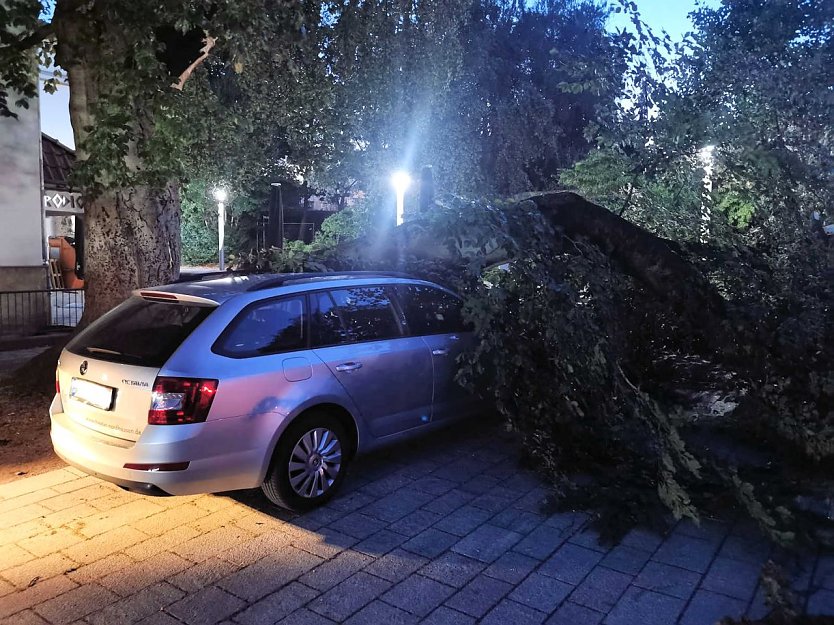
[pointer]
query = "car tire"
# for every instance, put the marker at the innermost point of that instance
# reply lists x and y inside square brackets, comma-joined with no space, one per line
[309,444]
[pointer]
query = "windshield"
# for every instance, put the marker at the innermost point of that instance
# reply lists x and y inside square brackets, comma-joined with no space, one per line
[139,332]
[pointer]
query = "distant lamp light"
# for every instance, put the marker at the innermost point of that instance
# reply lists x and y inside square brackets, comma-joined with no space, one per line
[706,154]
[220,194]
[400,180]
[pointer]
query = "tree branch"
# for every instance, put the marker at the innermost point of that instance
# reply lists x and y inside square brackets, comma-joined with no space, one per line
[45,30]
[627,201]
[209,41]
[9,41]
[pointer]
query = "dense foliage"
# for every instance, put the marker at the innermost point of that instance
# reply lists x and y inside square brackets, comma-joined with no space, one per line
[474,89]
[591,367]
[753,81]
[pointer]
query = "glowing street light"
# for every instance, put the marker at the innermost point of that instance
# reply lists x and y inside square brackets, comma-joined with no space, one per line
[707,155]
[400,180]
[221,195]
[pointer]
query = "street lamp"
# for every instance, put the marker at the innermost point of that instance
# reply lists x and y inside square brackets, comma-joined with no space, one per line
[221,196]
[276,215]
[400,180]
[707,157]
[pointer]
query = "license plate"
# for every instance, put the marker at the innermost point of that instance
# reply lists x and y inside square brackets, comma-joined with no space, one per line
[91,393]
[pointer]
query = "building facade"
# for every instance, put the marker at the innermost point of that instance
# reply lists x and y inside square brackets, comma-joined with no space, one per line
[22,237]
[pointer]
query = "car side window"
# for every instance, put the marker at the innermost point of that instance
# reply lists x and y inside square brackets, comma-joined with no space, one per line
[429,310]
[267,327]
[354,314]
[326,326]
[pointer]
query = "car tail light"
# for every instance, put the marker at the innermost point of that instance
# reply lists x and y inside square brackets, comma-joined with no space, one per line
[57,383]
[181,400]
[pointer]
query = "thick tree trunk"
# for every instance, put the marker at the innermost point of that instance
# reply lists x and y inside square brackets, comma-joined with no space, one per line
[654,262]
[132,240]
[131,234]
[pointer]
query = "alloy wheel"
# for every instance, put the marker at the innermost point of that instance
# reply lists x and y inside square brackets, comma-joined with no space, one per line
[315,462]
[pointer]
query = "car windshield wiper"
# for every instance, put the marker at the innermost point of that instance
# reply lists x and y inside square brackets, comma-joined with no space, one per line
[111,352]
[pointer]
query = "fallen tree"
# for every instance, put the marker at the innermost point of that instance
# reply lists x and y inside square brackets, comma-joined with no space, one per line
[599,343]
[656,262]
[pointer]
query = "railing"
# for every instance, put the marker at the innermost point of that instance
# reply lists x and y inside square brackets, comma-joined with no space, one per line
[25,313]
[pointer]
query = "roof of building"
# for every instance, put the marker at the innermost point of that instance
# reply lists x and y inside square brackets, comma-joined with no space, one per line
[57,163]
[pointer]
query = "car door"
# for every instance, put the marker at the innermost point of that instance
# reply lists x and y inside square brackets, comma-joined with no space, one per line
[359,334]
[435,315]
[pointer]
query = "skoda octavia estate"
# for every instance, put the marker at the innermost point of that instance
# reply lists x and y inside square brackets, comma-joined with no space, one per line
[265,380]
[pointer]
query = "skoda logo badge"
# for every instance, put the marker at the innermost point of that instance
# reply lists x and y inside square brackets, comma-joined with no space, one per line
[83,368]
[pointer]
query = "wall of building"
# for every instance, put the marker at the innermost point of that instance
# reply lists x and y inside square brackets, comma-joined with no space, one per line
[22,278]
[21,234]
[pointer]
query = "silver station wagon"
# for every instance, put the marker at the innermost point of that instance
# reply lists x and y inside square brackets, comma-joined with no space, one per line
[274,381]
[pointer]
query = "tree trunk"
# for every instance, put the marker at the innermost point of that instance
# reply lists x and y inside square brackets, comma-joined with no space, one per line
[131,234]
[656,263]
[132,239]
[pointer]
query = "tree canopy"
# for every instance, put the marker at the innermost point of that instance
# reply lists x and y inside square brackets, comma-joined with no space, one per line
[480,91]
[474,89]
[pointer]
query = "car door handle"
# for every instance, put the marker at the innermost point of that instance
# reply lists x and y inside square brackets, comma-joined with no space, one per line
[440,352]
[349,366]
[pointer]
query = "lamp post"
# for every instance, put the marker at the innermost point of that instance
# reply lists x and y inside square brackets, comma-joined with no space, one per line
[276,215]
[707,157]
[400,181]
[221,195]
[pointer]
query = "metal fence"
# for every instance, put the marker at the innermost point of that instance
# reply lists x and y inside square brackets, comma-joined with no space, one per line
[25,313]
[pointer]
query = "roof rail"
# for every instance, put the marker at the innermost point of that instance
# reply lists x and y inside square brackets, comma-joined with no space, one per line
[211,274]
[292,278]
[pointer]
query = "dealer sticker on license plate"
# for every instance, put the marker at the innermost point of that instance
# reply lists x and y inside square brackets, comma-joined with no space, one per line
[91,393]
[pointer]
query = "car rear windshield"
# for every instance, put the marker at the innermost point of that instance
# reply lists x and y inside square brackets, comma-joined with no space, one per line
[139,332]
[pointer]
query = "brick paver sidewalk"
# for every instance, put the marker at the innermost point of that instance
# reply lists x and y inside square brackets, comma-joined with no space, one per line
[438,532]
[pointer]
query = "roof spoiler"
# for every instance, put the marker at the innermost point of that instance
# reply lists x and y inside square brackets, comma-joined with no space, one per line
[182,298]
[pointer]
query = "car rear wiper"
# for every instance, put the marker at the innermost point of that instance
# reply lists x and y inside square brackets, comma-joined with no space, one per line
[111,352]
[102,350]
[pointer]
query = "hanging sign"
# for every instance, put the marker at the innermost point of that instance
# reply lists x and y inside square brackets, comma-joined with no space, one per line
[62,202]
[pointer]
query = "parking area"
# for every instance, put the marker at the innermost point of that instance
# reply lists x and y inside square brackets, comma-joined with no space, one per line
[447,530]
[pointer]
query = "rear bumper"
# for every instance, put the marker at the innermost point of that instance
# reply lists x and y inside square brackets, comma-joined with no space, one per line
[144,488]
[225,454]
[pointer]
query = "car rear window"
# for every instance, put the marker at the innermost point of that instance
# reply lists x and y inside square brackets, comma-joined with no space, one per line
[139,332]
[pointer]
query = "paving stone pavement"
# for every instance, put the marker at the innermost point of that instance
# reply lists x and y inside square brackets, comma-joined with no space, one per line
[443,530]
